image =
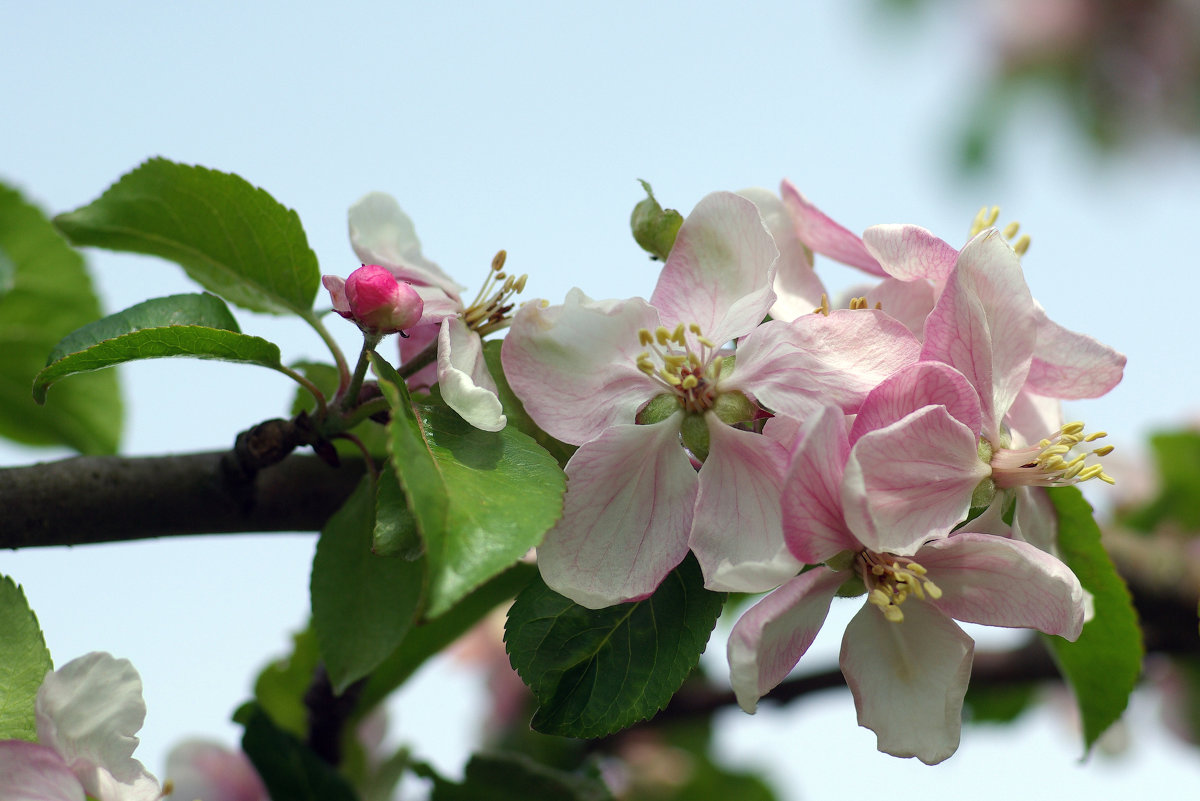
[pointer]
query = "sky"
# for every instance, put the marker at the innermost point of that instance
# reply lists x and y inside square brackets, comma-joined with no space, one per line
[525,127]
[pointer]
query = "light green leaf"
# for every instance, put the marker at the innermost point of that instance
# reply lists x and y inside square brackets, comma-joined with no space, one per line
[481,499]
[427,639]
[362,604]
[231,237]
[595,671]
[179,325]
[24,663]
[1103,665]
[50,295]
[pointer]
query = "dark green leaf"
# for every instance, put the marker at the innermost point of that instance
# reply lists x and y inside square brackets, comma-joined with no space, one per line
[1177,455]
[199,326]
[289,769]
[230,237]
[281,685]
[395,527]
[597,671]
[481,499]
[427,639]
[24,662]
[1001,704]
[1103,665]
[516,777]
[653,227]
[518,418]
[362,604]
[49,296]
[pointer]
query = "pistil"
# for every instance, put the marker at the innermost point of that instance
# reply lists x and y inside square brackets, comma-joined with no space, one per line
[689,373]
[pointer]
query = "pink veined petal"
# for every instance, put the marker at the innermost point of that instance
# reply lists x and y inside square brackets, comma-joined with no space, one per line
[984,325]
[467,386]
[438,305]
[336,286]
[1002,582]
[813,524]
[769,639]
[1033,417]
[737,533]
[89,711]
[381,233]
[795,368]
[1071,366]
[33,772]
[908,301]
[720,270]
[909,252]
[574,366]
[1035,520]
[626,516]
[911,481]
[908,679]
[208,770]
[798,290]
[823,235]
[910,388]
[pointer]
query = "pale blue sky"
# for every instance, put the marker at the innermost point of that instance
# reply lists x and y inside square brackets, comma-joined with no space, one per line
[524,127]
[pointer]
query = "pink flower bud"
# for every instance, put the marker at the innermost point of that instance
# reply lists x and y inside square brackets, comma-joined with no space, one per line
[375,300]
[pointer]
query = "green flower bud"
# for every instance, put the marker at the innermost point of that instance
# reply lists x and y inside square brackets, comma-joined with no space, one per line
[654,228]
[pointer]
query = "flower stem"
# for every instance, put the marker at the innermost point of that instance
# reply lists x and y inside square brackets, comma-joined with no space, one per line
[318,395]
[343,368]
[350,397]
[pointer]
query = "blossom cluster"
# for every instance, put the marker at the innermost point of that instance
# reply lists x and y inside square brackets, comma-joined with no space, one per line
[898,447]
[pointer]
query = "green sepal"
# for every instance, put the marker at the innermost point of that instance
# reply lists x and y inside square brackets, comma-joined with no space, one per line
[694,430]
[658,408]
[654,228]
[733,407]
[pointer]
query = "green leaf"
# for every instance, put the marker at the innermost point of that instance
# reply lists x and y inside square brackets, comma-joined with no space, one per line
[595,671]
[281,685]
[395,531]
[653,227]
[518,418]
[24,663]
[1177,455]
[426,640]
[516,777]
[179,325]
[1103,665]
[481,499]
[362,604]
[8,273]
[288,768]
[231,237]
[48,295]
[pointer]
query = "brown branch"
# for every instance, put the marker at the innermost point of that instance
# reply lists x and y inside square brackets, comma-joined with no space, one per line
[91,499]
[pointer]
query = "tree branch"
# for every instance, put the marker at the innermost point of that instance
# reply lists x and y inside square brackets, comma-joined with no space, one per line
[91,499]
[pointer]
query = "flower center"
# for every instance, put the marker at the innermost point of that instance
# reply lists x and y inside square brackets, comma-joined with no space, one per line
[856,304]
[689,373]
[1054,462]
[891,579]
[492,308]
[987,217]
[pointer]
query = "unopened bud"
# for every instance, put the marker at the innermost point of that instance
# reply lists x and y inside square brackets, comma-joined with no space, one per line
[375,300]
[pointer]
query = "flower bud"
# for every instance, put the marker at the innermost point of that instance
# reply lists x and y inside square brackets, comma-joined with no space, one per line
[375,300]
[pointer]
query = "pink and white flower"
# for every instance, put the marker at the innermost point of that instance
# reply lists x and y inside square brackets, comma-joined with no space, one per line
[208,771]
[381,233]
[905,659]
[627,380]
[374,299]
[88,712]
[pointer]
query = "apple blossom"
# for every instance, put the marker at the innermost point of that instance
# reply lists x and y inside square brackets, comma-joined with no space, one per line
[375,300]
[208,771]
[628,380]
[905,659]
[87,713]
[381,233]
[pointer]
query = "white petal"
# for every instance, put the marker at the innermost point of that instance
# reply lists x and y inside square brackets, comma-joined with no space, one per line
[798,290]
[467,386]
[381,233]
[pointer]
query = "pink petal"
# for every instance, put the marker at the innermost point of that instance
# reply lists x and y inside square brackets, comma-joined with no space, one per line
[911,481]
[908,679]
[1035,519]
[336,286]
[769,639]
[1033,417]
[32,772]
[210,771]
[798,290]
[467,386]
[720,270]
[910,388]
[823,235]
[795,368]
[908,301]
[813,525]
[1071,366]
[437,304]
[419,338]
[381,233]
[626,516]
[574,366]
[983,325]
[909,252]
[1002,582]
[737,533]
